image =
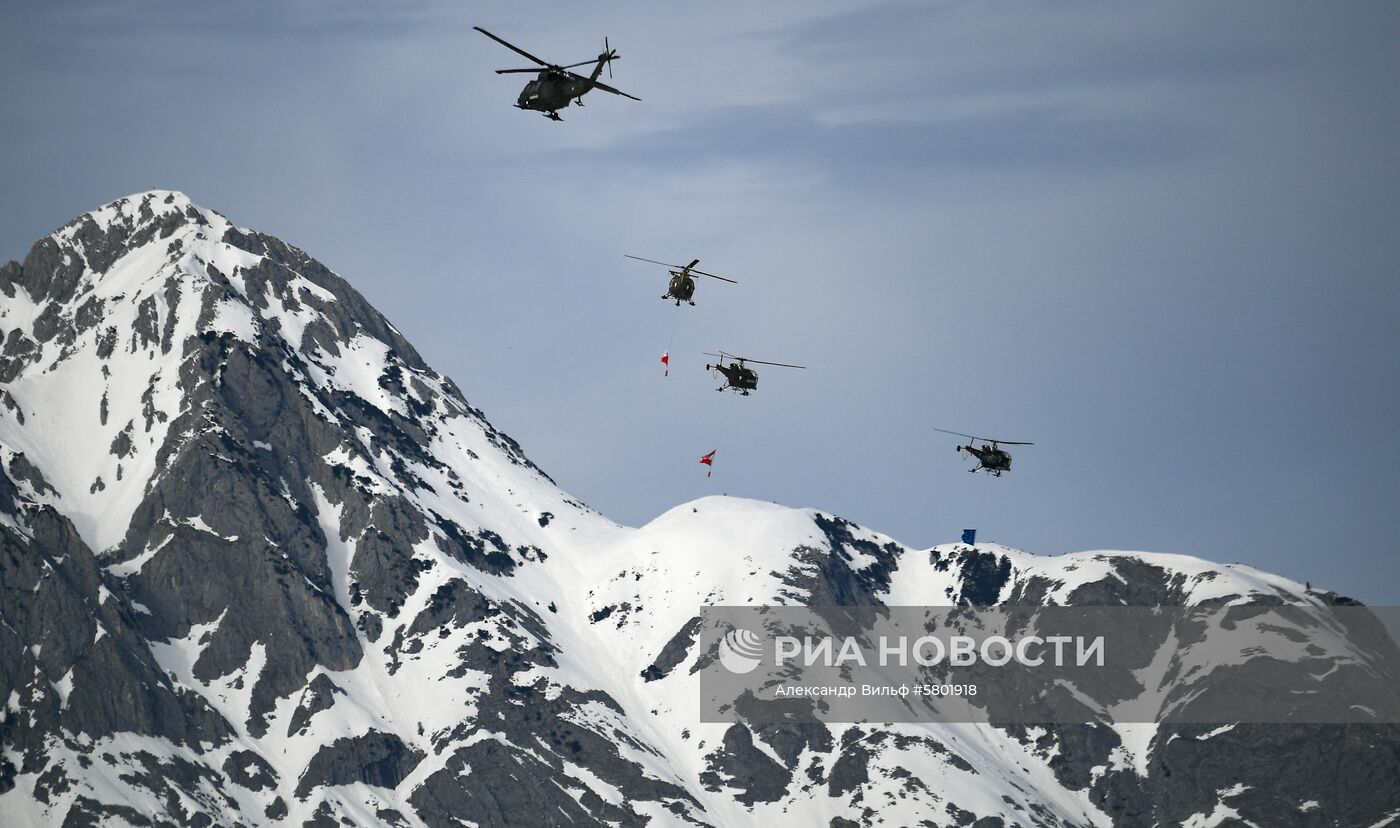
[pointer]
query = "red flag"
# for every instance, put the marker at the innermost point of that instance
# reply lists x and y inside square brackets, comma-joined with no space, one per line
[709,460]
[666,360]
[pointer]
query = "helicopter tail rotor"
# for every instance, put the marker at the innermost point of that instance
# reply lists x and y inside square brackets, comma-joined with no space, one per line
[604,59]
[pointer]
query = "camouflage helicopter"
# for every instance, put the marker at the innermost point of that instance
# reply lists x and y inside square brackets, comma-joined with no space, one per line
[682,287]
[737,375]
[990,457]
[556,87]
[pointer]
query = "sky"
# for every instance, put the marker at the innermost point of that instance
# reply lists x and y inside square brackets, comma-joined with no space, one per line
[1159,240]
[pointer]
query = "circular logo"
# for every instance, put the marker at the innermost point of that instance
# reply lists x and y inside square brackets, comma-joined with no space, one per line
[740,651]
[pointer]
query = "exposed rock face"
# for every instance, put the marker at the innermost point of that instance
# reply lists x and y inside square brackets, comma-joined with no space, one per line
[260,564]
[376,758]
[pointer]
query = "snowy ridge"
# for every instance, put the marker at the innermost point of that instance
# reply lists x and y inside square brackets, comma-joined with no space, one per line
[80,405]
[231,483]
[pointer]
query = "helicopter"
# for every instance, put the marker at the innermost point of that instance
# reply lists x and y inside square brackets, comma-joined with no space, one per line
[556,87]
[738,376]
[990,457]
[682,287]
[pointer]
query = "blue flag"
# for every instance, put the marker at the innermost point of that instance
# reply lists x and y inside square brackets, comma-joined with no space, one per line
[970,537]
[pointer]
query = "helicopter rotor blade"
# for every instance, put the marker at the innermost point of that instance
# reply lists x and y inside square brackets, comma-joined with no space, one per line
[684,267]
[511,46]
[985,439]
[759,361]
[512,71]
[607,50]
[653,261]
[690,268]
[725,355]
[713,276]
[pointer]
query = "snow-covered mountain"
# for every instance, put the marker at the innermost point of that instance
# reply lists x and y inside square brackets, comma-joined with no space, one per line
[260,564]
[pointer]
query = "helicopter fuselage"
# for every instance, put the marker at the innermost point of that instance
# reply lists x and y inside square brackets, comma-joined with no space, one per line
[739,377]
[989,458]
[551,91]
[682,287]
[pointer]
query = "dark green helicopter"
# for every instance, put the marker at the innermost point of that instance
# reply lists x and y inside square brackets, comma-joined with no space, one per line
[990,457]
[682,287]
[739,376]
[556,87]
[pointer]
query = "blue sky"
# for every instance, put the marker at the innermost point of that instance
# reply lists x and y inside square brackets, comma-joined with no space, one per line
[1159,240]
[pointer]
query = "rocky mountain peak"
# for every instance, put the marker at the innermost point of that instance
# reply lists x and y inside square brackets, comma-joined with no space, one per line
[127,319]
[261,564]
